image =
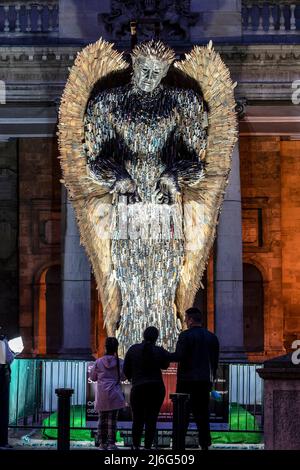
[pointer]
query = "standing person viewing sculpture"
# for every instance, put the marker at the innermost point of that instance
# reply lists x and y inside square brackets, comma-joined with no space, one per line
[197,354]
[142,365]
[108,373]
[146,168]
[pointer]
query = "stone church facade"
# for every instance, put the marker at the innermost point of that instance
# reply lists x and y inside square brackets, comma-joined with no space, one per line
[252,283]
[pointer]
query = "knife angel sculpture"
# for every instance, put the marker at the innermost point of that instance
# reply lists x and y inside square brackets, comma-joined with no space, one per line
[145,152]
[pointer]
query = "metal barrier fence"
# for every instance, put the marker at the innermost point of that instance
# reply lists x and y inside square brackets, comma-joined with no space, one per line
[33,403]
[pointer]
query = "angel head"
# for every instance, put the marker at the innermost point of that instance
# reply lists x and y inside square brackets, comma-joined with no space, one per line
[151,61]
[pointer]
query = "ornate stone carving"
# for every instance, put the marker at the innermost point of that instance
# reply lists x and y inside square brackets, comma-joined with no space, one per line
[172,18]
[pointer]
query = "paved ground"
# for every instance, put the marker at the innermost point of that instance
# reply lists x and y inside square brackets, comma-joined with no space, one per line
[25,439]
[31,443]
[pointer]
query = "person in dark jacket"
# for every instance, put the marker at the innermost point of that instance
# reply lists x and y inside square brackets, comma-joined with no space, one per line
[142,365]
[197,352]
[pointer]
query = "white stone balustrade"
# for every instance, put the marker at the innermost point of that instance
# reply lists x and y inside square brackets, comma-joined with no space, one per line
[261,17]
[28,18]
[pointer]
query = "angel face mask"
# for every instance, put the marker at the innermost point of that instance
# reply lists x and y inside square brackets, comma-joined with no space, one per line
[148,73]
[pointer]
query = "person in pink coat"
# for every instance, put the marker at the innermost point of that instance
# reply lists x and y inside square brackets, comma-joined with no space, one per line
[108,373]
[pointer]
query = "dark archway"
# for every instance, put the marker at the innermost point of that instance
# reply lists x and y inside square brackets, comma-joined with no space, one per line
[53,309]
[253,292]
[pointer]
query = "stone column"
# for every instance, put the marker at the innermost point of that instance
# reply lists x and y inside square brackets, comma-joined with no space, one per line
[76,288]
[281,402]
[229,270]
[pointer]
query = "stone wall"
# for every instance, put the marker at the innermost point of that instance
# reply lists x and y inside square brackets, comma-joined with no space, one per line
[290,235]
[39,227]
[271,228]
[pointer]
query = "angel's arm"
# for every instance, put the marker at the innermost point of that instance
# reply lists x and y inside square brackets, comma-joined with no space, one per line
[100,139]
[191,135]
[190,138]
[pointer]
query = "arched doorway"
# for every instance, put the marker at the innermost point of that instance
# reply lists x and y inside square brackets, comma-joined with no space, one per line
[49,311]
[53,309]
[253,293]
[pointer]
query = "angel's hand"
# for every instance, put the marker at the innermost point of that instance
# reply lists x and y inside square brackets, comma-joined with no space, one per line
[126,187]
[167,189]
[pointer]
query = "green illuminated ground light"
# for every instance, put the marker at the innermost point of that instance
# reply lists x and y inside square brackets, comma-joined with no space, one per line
[239,419]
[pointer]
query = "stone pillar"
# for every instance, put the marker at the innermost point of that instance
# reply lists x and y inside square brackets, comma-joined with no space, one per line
[76,288]
[229,270]
[281,403]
